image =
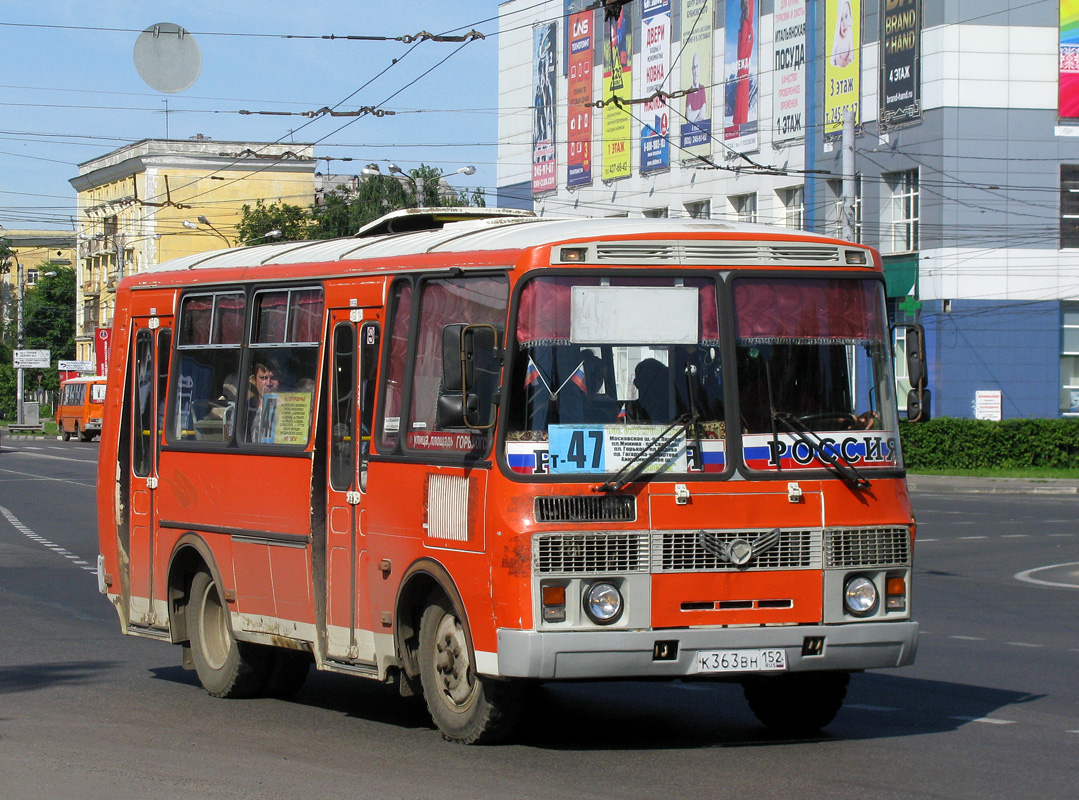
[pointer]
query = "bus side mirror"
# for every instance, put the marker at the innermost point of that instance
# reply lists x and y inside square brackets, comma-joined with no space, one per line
[471,362]
[918,397]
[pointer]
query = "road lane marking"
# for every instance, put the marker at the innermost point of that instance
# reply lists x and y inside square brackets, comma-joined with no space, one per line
[987,720]
[969,638]
[29,534]
[1027,576]
[48,478]
[973,537]
[1023,644]
[866,707]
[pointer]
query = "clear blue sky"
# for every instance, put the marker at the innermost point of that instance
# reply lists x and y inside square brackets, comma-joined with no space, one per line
[69,90]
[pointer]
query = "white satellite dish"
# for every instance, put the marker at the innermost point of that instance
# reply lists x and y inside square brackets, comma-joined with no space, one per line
[167,57]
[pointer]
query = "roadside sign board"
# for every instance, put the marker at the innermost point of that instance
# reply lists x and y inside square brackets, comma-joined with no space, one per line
[75,366]
[32,359]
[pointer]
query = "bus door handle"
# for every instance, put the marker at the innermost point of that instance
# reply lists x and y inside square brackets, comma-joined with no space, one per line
[151,482]
[352,498]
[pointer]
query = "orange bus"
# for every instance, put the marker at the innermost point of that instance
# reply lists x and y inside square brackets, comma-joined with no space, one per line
[495,453]
[80,409]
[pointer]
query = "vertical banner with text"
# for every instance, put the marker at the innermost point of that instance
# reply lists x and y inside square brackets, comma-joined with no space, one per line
[544,175]
[579,159]
[788,76]
[617,80]
[740,70]
[695,62]
[656,55]
[901,43]
[102,350]
[1068,103]
[842,63]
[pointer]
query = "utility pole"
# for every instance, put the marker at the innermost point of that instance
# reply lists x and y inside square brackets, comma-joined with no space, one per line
[18,340]
[849,185]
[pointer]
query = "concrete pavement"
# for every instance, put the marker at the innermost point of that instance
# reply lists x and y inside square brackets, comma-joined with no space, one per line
[956,484]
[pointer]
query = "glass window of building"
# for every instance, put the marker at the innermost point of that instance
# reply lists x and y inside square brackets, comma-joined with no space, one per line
[1069,205]
[702,209]
[744,207]
[1069,361]
[793,202]
[900,212]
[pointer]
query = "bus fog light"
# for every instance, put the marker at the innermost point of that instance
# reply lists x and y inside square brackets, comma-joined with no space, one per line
[860,596]
[895,594]
[554,603]
[603,603]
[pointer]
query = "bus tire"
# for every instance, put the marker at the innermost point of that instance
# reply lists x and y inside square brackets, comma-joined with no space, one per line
[226,667]
[467,708]
[799,703]
[67,436]
[86,436]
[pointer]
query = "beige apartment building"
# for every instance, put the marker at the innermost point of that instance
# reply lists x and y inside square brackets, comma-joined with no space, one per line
[159,199]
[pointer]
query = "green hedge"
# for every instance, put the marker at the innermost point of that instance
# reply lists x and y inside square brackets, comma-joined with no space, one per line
[947,443]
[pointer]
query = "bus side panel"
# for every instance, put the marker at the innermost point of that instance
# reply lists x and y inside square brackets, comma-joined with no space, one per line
[260,505]
[408,519]
[112,537]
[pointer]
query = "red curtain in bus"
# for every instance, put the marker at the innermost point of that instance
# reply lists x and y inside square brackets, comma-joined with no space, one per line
[826,311]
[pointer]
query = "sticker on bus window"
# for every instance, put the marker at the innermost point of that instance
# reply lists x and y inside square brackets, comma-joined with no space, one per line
[787,452]
[533,457]
[578,449]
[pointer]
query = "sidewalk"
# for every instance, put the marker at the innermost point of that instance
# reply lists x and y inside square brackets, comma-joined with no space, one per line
[954,484]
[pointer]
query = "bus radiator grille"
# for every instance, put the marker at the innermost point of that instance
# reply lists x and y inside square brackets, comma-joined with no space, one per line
[587,508]
[703,551]
[867,547]
[582,553]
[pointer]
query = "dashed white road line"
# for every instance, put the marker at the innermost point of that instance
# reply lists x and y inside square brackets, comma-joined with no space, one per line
[987,720]
[29,534]
[969,638]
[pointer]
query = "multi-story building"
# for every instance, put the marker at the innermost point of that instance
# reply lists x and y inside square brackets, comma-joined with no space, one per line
[160,199]
[965,153]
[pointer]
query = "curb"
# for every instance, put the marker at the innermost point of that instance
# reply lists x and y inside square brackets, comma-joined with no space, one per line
[947,485]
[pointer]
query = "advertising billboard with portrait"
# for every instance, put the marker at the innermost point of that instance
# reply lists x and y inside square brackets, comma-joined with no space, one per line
[617,81]
[740,69]
[695,63]
[842,63]
[544,174]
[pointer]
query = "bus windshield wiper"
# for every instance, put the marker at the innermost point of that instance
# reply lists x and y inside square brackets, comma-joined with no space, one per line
[830,456]
[633,468]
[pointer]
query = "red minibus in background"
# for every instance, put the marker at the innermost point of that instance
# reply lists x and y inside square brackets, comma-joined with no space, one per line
[80,408]
[494,453]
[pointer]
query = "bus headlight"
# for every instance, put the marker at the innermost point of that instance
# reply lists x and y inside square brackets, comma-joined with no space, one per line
[603,603]
[860,596]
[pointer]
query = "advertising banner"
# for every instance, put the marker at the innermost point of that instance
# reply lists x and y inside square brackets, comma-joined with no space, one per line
[842,63]
[617,80]
[788,76]
[1069,59]
[740,70]
[102,348]
[656,58]
[695,62]
[544,176]
[579,159]
[900,81]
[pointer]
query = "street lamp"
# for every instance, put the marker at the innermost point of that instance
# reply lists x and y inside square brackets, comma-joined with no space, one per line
[416,188]
[194,226]
[274,234]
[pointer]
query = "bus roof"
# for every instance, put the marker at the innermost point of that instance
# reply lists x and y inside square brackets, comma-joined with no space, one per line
[516,233]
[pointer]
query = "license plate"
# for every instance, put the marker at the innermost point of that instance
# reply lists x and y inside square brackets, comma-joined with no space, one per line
[762,660]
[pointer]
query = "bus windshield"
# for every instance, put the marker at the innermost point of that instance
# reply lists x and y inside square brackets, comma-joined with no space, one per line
[605,365]
[812,356]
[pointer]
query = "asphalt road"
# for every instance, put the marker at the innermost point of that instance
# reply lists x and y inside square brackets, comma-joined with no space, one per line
[990,709]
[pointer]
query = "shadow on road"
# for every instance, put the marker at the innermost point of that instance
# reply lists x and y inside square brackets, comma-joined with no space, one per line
[32,677]
[664,715]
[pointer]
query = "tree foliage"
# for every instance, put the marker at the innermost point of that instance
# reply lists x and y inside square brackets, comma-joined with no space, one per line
[346,210]
[48,324]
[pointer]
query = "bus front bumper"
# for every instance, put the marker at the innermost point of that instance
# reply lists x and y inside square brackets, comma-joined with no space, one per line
[613,654]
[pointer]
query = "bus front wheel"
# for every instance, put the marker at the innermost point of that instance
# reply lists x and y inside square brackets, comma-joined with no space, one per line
[226,667]
[798,703]
[466,707]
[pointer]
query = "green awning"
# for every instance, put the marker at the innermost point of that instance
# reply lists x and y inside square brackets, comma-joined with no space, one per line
[900,274]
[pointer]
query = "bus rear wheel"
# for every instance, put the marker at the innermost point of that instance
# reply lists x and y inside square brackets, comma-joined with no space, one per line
[466,707]
[67,436]
[799,703]
[226,667]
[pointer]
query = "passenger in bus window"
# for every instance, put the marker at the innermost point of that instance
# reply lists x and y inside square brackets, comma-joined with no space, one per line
[653,399]
[265,382]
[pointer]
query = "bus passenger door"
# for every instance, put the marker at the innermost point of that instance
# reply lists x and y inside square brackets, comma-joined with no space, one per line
[149,371]
[354,343]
